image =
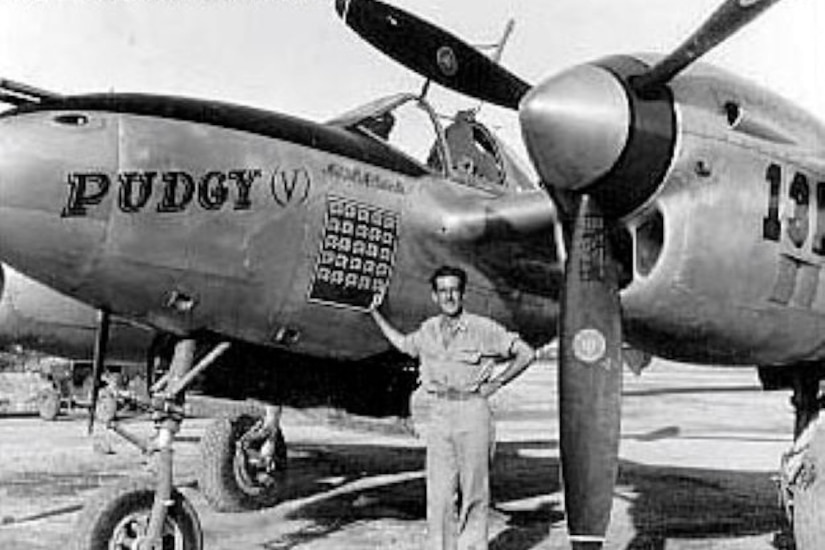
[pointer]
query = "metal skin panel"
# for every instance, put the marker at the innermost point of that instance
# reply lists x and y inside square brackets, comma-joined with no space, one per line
[188,226]
[723,292]
[38,154]
[497,270]
[239,255]
[35,316]
[514,276]
[324,325]
[230,248]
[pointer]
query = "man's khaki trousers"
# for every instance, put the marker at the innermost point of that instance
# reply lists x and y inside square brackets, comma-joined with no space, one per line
[458,462]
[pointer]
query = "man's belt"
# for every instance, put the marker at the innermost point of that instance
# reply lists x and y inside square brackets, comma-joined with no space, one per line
[453,394]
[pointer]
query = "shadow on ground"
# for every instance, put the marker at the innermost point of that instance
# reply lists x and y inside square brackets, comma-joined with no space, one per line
[331,487]
[698,504]
[335,486]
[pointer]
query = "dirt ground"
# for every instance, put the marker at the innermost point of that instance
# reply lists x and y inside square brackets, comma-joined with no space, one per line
[699,450]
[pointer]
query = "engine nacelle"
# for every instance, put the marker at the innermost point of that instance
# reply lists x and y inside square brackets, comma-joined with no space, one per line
[727,256]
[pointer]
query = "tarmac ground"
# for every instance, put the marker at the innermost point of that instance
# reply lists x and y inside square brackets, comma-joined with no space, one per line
[699,451]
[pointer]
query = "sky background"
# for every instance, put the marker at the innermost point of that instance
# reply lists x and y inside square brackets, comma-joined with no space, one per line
[297,57]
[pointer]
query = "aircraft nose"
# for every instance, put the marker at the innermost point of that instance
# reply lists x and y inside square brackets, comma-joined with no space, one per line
[575,126]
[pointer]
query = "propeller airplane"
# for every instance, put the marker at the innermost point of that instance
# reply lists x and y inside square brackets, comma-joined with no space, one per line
[36,317]
[234,227]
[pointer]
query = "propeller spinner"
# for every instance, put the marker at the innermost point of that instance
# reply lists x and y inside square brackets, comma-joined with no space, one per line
[602,135]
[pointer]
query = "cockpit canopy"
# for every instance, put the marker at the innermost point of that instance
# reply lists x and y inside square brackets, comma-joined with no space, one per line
[464,151]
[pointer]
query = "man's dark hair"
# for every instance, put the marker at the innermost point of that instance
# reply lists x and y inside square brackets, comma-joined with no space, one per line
[449,271]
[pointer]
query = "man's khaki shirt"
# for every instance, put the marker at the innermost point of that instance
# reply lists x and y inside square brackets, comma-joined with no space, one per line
[464,361]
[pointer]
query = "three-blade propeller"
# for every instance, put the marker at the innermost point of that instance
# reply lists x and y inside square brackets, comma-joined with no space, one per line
[590,341]
[558,111]
[725,21]
[432,52]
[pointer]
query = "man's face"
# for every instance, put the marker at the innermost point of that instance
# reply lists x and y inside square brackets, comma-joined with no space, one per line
[448,296]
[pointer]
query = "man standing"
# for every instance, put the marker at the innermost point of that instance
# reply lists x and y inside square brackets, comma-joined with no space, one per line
[457,351]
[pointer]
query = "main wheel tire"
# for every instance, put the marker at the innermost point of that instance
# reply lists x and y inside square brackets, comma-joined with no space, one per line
[119,515]
[809,495]
[231,477]
[48,404]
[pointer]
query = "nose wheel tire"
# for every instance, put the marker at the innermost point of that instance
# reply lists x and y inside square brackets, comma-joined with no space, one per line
[242,468]
[117,518]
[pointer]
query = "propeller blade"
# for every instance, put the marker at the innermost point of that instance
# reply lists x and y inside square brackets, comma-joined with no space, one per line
[590,372]
[725,21]
[432,52]
[101,342]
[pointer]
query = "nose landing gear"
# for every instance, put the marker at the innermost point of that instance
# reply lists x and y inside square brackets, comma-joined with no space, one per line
[118,518]
[150,514]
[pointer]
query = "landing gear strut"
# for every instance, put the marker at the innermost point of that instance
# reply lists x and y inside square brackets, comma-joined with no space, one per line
[151,514]
[119,517]
[802,472]
[806,403]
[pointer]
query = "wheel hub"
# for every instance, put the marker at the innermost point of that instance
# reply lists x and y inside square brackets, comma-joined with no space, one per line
[130,533]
